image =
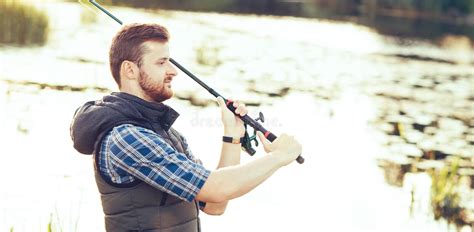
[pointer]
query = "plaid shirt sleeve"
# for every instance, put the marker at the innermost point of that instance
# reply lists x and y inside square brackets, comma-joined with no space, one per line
[188,150]
[202,204]
[143,154]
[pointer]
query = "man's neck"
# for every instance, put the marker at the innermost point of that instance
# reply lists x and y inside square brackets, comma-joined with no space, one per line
[136,92]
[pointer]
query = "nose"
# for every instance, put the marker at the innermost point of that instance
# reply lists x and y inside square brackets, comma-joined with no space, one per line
[171,70]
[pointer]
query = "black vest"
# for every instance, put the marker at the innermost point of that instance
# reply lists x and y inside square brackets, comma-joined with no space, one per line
[136,206]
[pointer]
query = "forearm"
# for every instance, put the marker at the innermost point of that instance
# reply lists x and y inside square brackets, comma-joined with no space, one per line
[230,155]
[231,182]
[239,180]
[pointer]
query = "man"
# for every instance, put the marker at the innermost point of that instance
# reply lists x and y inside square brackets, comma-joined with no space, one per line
[145,172]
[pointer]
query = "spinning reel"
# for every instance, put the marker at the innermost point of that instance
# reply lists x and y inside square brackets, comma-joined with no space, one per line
[247,141]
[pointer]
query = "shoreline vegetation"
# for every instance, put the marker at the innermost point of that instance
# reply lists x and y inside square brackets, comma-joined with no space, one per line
[427,19]
[452,11]
[22,24]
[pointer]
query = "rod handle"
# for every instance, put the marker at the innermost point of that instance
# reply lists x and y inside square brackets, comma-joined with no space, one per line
[271,137]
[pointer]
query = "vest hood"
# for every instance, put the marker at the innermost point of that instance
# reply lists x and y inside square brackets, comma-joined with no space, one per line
[95,118]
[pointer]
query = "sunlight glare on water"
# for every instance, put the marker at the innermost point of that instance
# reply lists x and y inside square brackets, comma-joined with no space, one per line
[330,71]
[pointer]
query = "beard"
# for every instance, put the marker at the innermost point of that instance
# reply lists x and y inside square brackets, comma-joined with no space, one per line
[156,91]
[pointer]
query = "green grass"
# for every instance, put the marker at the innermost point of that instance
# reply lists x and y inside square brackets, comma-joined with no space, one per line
[445,198]
[54,224]
[22,24]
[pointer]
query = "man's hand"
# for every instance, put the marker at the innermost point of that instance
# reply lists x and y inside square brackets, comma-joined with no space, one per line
[233,125]
[285,147]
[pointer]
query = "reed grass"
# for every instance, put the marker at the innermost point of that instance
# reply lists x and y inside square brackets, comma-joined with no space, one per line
[22,24]
[445,197]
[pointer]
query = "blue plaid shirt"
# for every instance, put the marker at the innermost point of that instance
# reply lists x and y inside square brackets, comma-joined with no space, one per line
[130,152]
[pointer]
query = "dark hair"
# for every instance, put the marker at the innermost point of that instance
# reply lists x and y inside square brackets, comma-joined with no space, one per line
[128,44]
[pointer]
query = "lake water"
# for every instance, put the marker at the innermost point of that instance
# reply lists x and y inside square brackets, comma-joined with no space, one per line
[333,70]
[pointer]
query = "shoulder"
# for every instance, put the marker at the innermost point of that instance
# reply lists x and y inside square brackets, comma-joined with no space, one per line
[130,129]
[130,134]
[131,139]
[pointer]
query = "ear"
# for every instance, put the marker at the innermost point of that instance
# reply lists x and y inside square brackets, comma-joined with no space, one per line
[129,70]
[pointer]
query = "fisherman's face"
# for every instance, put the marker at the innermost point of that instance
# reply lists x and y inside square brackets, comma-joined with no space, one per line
[156,71]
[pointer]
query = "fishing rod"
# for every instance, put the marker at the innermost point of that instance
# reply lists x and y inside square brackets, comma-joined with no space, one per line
[246,144]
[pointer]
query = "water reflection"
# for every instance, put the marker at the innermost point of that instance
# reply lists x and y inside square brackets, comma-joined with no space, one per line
[338,84]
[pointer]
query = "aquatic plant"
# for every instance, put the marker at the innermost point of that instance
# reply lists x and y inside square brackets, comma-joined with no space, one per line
[208,55]
[445,198]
